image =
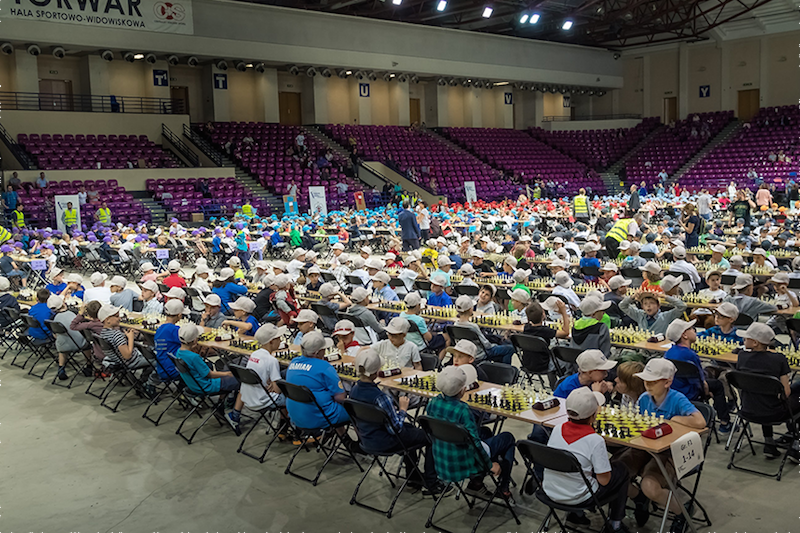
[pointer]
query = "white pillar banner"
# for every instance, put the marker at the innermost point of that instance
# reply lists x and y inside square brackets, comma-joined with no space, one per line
[469,188]
[61,201]
[318,204]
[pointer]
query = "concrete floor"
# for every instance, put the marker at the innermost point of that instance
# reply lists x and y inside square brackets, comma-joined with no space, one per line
[69,465]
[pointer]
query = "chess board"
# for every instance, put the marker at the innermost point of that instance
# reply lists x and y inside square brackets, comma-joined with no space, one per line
[346,370]
[622,423]
[418,383]
[505,400]
[242,344]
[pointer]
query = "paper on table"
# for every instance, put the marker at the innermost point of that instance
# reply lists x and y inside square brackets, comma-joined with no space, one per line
[667,346]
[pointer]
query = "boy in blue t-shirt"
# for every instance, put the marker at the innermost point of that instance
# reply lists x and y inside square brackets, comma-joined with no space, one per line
[659,400]
[41,312]
[682,333]
[438,297]
[593,367]
[245,322]
[167,342]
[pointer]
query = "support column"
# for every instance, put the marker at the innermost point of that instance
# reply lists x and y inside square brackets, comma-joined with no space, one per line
[683,81]
[504,108]
[320,93]
[399,106]
[151,90]
[267,93]
[763,74]
[646,94]
[94,77]
[442,96]
[363,100]
[218,101]
[26,72]
[614,102]
[474,108]
[538,105]
[725,78]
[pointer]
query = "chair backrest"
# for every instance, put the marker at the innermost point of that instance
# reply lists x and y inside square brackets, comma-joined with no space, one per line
[756,383]
[30,321]
[682,275]
[246,376]
[422,285]
[138,305]
[445,431]
[743,320]
[296,393]
[355,280]
[591,271]
[729,279]
[353,318]
[708,412]
[56,327]
[429,362]
[466,290]
[631,273]
[534,352]
[500,373]
[549,458]
[365,412]
[396,283]
[567,354]
[322,310]
[794,283]
[458,333]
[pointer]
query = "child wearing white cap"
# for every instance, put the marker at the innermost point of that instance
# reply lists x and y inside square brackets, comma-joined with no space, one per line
[589,331]
[121,296]
[593,367]
[376,438]
[344,335]
[150,304]
[313,281]
[201,379]
[423,338]
[306,321]
[742,297]
[212,317]
[758,358]
[683,334]
[563,288]
[245,322]
[714,291]
[174,279]
[659,400]
[445,269]
[437,296]
[397,350]
[725,315]
[486,349]
[578,437]
[227,289]
[72,340]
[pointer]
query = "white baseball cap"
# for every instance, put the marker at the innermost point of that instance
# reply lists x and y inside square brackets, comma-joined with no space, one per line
[368,362]
[174,266]
[76,278]
[453,379]
[679,252]
[594,360]
[563,279]
[267,332]
[610,267]
[618,281]
[652,267]
[760,251]
[511,261]
[55,271]
[736,260]
[173,308]
[306,315]
[226,274]
[464,303]
[718,248]
[383,277]
[439,279]
[521,295]
[147,266]
[344,327]
[366,249]
[656,369]
[742,281]
[213,300]
[118,281]
[97,279]
[583,402]
[412,299]
[397,326]
[727,309]
[281,280]
[243,303]
[759,332]
[464,347]
[443,260]
[189,333]
[54,302]
[467,270]
[314,342]
[670,282]
[298,252]
[624,245]
[590,306]
[338,246]
[781,278]
[4,283]
[359,294]
[521,275]
[327,289]
[176,292]
[106,311]
[677,327]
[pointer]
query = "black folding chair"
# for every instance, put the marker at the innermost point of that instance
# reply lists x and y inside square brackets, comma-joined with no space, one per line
[466,290]
[397,283]
[729,279]
[499,373]
[41,349]
[422,285]
[633,274]
[362,414]
[567,355]
[59,329]
[10,333]
[748,383]
[565,462]
[793,325]
[710,416]
[457,435]
[122,375]
[323,311]
[248,376]
[326,439]
[355,280]
[174,387]
[212,400]
[589,271]
[743,320]
[535,357]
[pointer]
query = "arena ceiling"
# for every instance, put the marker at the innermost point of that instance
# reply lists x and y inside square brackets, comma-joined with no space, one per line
[614,24]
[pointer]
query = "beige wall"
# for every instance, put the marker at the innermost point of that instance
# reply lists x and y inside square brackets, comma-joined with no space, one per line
[631,96]
[489,107]
[379,100]
[127,79]
[339,111]
[192,78]
[782,70]
[554,105]
[705,68]
[131,179]
[575,125]
[96,123]
[455,107]
[663,79]
[6,73]
[245,107]
[68,68]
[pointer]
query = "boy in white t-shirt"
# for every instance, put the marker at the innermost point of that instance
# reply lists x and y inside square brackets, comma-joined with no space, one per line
[577,436]
[714,290]
[396,349]
[257,397]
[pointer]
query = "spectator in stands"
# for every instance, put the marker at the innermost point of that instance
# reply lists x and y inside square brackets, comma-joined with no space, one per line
[291,189]
[662,176]
[300,143]
[10,200]
[15,182]
[41,181]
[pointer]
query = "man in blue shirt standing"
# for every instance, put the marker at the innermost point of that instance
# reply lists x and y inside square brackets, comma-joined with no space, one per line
[409,228]
[41,312]
[313,371]
[683,334]
[438,297]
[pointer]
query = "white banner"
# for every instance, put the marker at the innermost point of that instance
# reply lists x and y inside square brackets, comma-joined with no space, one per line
[469,188]
[146,15]
[318,203]
[61,201]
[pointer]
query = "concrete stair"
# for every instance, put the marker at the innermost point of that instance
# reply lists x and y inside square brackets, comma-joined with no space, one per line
[611,174]
[158,214]
[274,201]
[317,133]
[723,136]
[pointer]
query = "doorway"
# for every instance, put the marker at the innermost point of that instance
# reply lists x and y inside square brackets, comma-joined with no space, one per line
[749,101]
[180,100]
[290,109]
[55,95]
[670,111]
[413,110]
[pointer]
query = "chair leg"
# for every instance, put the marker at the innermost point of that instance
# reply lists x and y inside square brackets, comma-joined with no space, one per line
[429,522]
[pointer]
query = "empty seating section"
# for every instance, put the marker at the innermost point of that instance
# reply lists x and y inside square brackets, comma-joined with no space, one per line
[267,159]
[75,152]
[40,208]
[517,152]
[773,129]
[672,147]
[597,149]
[450,166]
[178,196]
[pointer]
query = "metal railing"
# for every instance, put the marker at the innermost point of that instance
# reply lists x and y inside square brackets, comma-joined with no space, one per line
[205,146]
[90,103]
[176,141]
[590,117]
[16,149]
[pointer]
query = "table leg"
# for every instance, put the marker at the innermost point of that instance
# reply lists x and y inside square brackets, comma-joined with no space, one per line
[674,490]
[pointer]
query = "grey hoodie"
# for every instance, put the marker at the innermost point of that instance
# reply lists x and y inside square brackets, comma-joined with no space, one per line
[662,318]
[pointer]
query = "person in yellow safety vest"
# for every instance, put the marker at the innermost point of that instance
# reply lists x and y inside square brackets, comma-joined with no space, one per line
[247,210]
[619,232]
[103,215]
[17,218]
[69,216]
[580,206]
[5,235]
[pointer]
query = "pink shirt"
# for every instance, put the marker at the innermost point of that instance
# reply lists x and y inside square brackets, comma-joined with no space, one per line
[763,197]
[150,277]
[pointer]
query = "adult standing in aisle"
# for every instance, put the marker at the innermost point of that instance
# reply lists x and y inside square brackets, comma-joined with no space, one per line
[409,228]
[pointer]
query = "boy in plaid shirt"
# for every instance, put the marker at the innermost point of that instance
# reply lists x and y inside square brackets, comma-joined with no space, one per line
[455,463]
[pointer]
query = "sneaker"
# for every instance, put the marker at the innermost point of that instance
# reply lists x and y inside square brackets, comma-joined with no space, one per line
[678,524]
[771,451]
[784,440]
[478,490]
[621,529]
[794,456]
[578,519]
[88,371]
[234,422]
[437,490]
[642,511]
[725,428]
[62,375]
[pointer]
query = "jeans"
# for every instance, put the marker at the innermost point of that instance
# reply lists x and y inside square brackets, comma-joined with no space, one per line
[501,450]
[501,352]
[244,256]
[618,486]
[411,436]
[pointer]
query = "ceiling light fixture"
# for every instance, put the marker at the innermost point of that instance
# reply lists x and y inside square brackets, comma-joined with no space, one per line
[487,11]
[500,83]
[442,5]
[567,25]
[397,2]
[524,18]
[138,56]
[534,18]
